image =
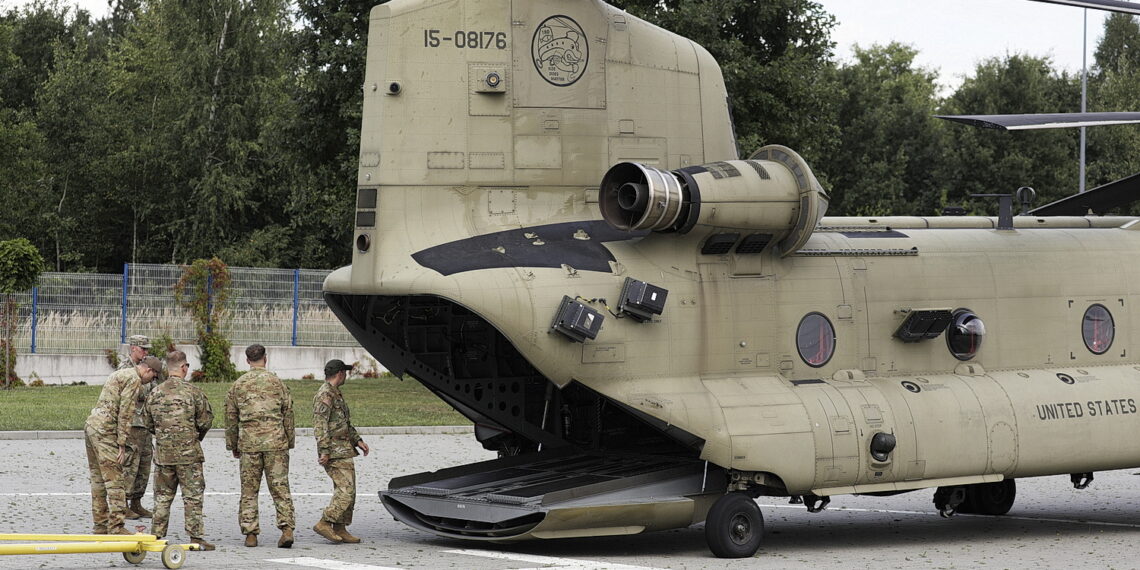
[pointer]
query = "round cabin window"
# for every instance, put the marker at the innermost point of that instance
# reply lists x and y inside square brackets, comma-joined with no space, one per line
[815,339]
[964,337]
[1098,329]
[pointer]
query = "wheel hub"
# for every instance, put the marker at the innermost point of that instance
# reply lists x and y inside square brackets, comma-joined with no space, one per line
[741,530]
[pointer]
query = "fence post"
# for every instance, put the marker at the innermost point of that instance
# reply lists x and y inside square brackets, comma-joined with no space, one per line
[296,301]
[35,299]
[123,320]
[209,300]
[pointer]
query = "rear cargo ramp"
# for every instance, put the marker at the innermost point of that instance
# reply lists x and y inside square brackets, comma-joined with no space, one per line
[556,494]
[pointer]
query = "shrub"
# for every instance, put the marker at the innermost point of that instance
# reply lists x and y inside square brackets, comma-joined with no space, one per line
[112,357]
[204,291]
[161,345]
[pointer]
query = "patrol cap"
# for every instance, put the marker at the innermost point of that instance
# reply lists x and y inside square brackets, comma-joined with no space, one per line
[138,340]
[335,365]
[152,363]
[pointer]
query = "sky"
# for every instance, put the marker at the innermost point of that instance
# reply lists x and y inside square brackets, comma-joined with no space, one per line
[950,35]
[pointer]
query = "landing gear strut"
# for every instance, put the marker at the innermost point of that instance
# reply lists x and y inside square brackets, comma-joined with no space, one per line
[982,498]
[734,526]
[1081,480]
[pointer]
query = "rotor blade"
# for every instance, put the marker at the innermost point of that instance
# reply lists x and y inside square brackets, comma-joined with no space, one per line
[1043,120]
[1107,5]
[1100,200]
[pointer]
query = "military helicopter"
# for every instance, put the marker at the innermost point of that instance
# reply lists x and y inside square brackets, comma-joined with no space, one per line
[555,235]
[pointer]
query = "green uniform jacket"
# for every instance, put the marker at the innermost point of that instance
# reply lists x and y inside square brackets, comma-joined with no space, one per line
[179,415]
[113,414]
[335,435]
[259,413]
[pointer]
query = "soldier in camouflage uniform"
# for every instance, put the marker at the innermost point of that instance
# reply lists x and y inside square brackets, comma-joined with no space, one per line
[136,472]
[107,434]
[179,416]
[259,432]
[337,442]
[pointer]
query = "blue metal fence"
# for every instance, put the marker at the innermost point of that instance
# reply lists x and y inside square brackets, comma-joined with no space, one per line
[70,313]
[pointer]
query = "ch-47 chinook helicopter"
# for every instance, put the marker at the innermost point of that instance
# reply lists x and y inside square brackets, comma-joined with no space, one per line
[555,235]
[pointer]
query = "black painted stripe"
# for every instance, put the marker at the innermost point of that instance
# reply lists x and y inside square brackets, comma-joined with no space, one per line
[812,381]
[512,248]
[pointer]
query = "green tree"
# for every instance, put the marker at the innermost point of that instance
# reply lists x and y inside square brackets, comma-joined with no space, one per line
[889,141]
[176,139]
[22,172]
[20,267]
[82,206]
[330,54]
[984,161]
[776,56]
[1114,152]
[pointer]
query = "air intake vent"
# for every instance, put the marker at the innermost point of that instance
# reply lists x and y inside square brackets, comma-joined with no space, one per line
[754,243]
[719,244]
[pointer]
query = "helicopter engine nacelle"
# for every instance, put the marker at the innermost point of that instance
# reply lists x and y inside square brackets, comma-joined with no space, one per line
[774,192]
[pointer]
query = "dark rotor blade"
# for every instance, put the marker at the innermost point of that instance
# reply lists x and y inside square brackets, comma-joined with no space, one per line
[1099,200]
[1043,120]
[1107,5]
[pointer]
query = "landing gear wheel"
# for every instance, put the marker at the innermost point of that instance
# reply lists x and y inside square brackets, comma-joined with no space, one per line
[734,526]
[134,557]
[173,556]
[993,498]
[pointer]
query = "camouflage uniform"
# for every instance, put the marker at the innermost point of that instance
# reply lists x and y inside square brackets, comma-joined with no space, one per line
[179,415]
[107,428]
[259,424]
[336,438]
[136,471]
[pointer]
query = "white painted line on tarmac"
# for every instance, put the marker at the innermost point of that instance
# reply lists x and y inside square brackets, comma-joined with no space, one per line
[326,564]
[549,562]
[935,513]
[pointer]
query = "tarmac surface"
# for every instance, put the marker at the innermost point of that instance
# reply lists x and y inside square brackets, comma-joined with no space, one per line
[44,489]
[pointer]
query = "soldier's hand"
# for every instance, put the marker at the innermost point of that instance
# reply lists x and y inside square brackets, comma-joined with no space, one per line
[363,447]
[323,459]
[122,455]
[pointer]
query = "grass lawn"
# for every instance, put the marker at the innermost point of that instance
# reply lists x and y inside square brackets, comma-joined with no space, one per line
[384,401]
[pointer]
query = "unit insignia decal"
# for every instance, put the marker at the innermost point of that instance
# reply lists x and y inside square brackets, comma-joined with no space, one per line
[560,50]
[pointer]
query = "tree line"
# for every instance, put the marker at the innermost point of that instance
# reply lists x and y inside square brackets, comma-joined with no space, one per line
[169,131]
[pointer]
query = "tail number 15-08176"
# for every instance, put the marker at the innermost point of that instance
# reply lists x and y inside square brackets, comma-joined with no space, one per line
[466,39]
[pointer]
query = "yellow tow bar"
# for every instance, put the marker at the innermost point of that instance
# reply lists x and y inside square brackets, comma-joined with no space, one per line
[133,546]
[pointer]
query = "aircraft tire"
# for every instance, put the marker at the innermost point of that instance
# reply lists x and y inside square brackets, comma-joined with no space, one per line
[992,498]
[734,526]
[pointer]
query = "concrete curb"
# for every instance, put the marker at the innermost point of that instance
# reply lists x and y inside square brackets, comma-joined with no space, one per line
[219,433]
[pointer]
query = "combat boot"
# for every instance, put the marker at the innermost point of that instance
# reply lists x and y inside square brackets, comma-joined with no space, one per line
[344,535]
[131,515]
[138,510]
[286,540]
[251,540]
[324,529]
[120,530]
[202,544]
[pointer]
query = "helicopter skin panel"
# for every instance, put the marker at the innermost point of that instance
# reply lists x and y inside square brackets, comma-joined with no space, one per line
[1043,120]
